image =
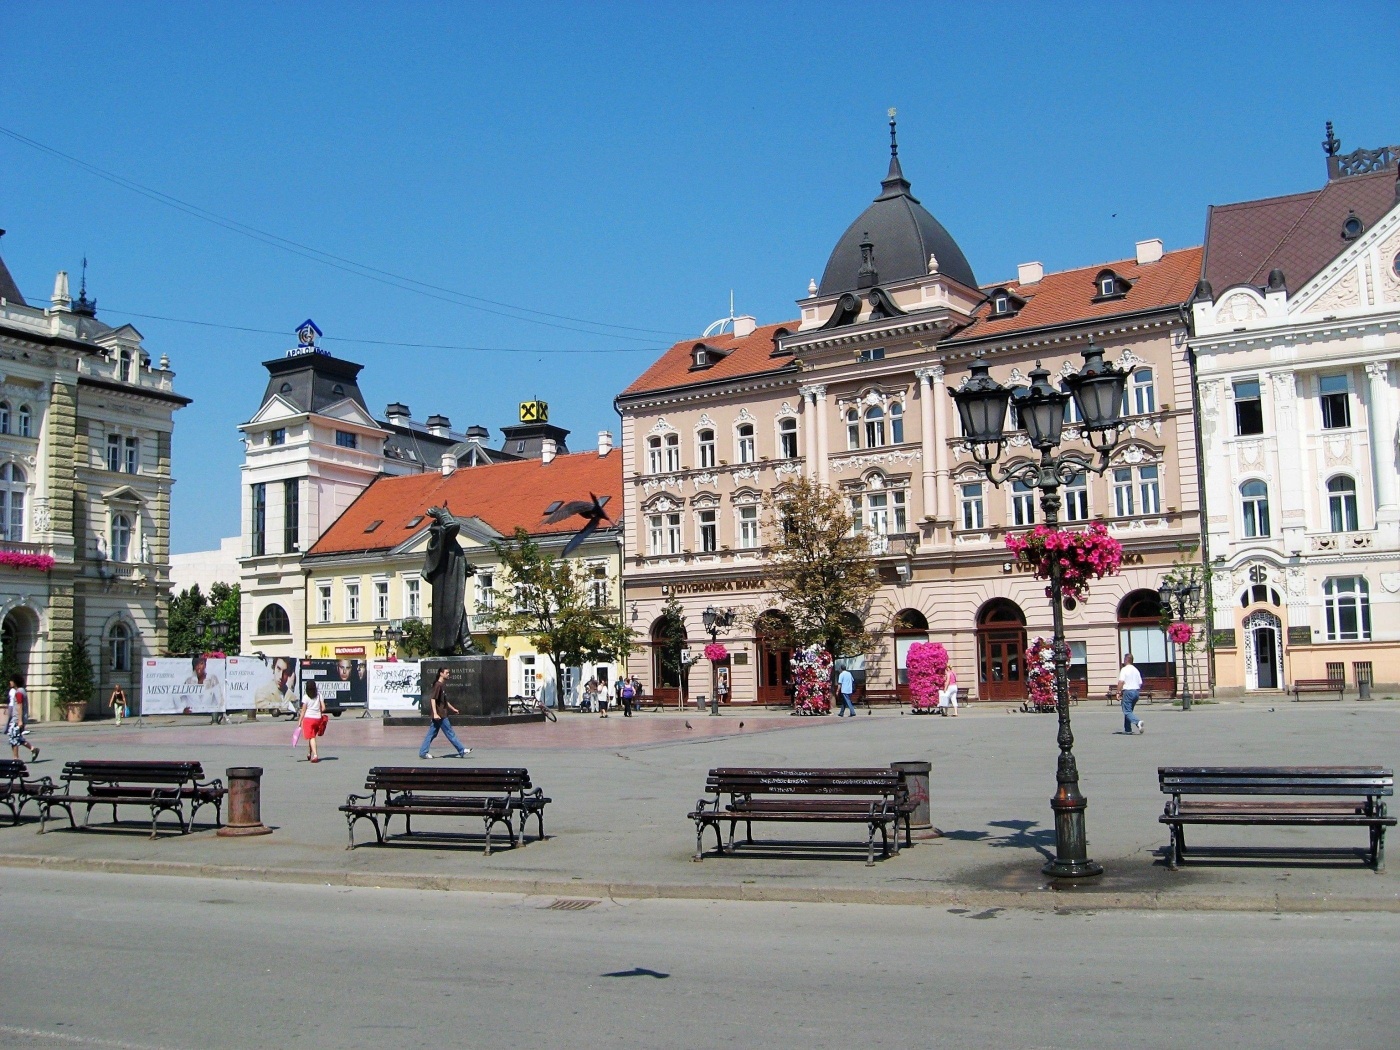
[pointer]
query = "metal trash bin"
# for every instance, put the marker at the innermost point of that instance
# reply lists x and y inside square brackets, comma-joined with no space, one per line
[916,775]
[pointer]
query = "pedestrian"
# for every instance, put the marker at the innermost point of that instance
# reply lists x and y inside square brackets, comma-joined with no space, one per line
[949,697]
[846,685]
[1129,689]
[118,703]
[590,693]
[629,693]
[439,709]
[15,719]
[313,719]
[602,697]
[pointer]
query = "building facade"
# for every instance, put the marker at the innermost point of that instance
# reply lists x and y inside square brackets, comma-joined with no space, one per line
[1296,335]
[852,395]
[86,423]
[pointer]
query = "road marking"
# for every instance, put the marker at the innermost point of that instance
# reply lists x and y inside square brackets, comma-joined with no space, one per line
[79,1040]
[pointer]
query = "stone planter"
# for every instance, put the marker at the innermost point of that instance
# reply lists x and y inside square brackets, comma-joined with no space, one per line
[75,712]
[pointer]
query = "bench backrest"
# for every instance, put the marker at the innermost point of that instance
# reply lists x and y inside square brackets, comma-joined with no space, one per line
[806,781]
[1368,781]
[132,772]
[12,769]
[458,781]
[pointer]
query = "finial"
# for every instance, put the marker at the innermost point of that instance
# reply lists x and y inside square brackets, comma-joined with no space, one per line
[894,142]
[1331,145]
[811,287]
[932,263]
[85,306]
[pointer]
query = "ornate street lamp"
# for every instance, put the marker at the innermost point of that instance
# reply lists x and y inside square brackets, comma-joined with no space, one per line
[1097,390]
[1181,599]
[716,621]
[390,636]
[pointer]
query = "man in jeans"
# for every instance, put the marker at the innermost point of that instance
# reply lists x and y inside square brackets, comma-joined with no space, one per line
[1129,689]
[846,685]
[439,709]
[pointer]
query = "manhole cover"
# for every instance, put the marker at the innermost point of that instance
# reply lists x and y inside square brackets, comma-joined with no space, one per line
[570,904]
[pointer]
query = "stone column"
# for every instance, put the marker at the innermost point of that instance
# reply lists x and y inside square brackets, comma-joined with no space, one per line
[943,480]
[1382,441]
[927,442]
[823,466]
[809,406]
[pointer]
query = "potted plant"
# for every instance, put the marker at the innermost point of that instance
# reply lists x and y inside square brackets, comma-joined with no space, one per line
[74,683]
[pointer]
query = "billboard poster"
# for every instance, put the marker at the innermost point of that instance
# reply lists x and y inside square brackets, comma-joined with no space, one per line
[393,685]
[182,686]
[340,683]
[254,683]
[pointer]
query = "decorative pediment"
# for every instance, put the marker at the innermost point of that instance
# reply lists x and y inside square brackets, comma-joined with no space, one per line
[660,426]
[1365,272]
[704,421]
[662,502]
[705,499]
[747,497]
[276,409]
[1134,453]
[123,494]
[349,410]
[1239,306]
[744,416]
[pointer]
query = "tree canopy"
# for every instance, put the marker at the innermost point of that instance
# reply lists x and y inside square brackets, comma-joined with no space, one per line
[191,606]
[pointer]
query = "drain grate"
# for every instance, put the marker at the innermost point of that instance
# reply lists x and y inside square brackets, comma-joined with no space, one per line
[571,904]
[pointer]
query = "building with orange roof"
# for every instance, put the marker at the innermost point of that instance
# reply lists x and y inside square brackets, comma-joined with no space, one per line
[850,394]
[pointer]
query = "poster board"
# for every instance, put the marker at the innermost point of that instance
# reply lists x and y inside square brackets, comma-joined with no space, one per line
[394,685]
[341,683]
[182,686]
[265,684]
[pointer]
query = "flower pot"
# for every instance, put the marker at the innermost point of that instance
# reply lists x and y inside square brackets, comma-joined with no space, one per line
[75,712]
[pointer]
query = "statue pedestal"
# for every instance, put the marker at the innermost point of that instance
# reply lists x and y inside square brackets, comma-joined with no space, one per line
[477,688]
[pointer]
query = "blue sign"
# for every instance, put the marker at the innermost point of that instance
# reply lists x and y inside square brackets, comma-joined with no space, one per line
[307,334]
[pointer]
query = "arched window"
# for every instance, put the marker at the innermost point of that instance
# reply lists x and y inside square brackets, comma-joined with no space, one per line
[667,640]
[124,366]
[26,422]
[787,438]
[119,647]
[874,426]
[654,455]
[852,429]
[1348,605]
[910,626]
[1140,633]
[12,488]
[1254,499]
[1142,393]
[747,452]
[121,538]
[1341,501]
[896,424]
[673,452]
[4,417]
[706,444]
[274,620]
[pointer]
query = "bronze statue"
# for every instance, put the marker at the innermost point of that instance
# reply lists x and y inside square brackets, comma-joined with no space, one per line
[446,570]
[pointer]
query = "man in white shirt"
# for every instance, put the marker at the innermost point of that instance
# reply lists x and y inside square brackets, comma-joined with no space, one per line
[1129,689]
[846,685]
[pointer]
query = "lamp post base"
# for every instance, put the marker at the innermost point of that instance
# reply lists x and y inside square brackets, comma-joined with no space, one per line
[1072,869]
[1071,859]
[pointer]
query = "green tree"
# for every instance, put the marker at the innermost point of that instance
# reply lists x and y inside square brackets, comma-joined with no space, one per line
[546,599]
[821,571]
[192,608]
[417,640]
[670,636]
[74,684]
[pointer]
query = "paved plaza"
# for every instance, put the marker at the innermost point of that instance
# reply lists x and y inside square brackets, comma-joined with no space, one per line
[622,789]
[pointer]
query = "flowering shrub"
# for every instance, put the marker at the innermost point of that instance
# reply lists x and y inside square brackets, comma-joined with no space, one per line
[928,674]
[1084,555]
[811,675]
[1180,632]
[21,560]
[1040,674]
[716,653]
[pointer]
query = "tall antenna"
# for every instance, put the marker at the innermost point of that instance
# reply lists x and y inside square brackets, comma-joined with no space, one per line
[718,327]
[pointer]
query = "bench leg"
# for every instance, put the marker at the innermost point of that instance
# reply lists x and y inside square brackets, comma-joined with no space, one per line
[699,841]
[489,822]
[870,846]
[1176,849]
[1378,850]
[350,829]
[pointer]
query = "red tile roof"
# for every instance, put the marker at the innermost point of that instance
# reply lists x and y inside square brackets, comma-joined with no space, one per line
[1298,234]
[1067,297]
[747,356]
[503,495]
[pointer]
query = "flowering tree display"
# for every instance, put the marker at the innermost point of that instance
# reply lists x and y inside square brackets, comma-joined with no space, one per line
[811,675]
[1181,632]
[1082,555]
[927,663]
[716,653]
[1040,675]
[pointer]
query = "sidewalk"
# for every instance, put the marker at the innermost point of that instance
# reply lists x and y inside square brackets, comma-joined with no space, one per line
[622,787]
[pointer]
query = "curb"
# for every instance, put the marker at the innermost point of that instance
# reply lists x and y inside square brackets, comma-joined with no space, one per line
[1049,899]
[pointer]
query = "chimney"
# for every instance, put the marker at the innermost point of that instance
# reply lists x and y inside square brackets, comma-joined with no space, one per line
[1149,251]
[1030,273]
[439,426]
[478,433]
[398,413]
[744,326]
[61,299]
[448,464]
[604,442]
[548,448]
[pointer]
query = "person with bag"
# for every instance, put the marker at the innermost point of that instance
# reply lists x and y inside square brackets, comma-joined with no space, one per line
[15,720]
[118,703]
[629,693]
[438,710]
[949,696]
[313,720]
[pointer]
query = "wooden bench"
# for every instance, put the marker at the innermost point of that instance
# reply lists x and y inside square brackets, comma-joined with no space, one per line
[495,795]
[876,798]
[163,787]
[16,789]
[1335,686]
[1331,796]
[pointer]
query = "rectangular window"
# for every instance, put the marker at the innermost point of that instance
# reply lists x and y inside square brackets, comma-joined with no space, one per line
[879,513]
[598,592]
[381,599]
[1123,492]
[346,439]
[1144,393]
[1077,498]
[707,448]
[1348,605]
[748,528]
[529,681]
[787,439]
[973,511]
[1336,403]
[114,452]
[1249,411]
[673,533]
[352,601]
[746,444]
[133,455]
[901,513]
[655,534]
[485,592]
[412,598]
[259,520]
[874,354]
[654,455]
[857,515]
[709,530]
[1149,492]
[1022,504]
[673,452]
[291,521]
[323,603]
[277,436]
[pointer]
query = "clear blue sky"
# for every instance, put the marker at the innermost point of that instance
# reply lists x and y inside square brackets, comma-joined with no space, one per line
[624,164]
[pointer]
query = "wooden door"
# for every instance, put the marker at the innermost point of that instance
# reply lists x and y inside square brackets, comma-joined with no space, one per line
[1001,663]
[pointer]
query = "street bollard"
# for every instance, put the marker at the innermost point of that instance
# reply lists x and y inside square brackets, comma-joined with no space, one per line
[244,803]
[916,776]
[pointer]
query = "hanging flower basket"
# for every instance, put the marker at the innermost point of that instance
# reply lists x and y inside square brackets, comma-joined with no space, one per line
[1040,675]
[21,560]
[927,663]
[811,675]
[1083,555]
[716,653]
[1181,632]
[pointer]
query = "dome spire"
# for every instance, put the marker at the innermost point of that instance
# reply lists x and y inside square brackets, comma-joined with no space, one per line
[894,183]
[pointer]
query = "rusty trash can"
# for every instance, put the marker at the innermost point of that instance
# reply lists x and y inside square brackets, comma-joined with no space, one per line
[916,775]
[244,803]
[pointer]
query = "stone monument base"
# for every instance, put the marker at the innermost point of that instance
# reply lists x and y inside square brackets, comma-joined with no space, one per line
[477,688]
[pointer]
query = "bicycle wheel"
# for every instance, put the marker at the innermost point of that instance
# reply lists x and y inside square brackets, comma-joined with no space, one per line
[549,713]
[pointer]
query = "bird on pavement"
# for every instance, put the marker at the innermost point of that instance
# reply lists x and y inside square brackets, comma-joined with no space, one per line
[591,510]
[689,726]
[741,725]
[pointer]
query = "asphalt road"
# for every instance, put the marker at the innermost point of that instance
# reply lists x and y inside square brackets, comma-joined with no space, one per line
[135,963]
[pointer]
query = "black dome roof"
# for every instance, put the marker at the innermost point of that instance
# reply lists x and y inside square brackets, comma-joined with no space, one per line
[904,235]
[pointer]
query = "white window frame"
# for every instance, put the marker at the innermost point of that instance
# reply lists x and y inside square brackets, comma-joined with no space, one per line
[324,601]
[852,429]
[131,455]
[1255,522]
[352,601]
[1144,392]
[874,427]
[705,449]
[485,592]
[413,597]
[672,448]
[748,529]
[972,506]
[787,437]
[120,521]
[1076,498]
[745,445]
[1323,420]
[654,454]
[26,421]
[1343,506]
[14,493]
[707,528]
[1124,497]
[381,598]
[896,415]
[1022,505]
[114,453]
[673,532]
[119,647]
[1336,600]
[1149,488]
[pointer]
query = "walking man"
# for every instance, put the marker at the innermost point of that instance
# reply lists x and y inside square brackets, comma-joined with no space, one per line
[1129,689]
[16,717]
[439,710]
[846,684]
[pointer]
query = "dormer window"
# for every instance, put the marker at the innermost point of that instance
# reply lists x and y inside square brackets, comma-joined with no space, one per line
[1110,285]
[1351,227]
[1005,303]
[1001,304]
[700,359]
[702,355]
